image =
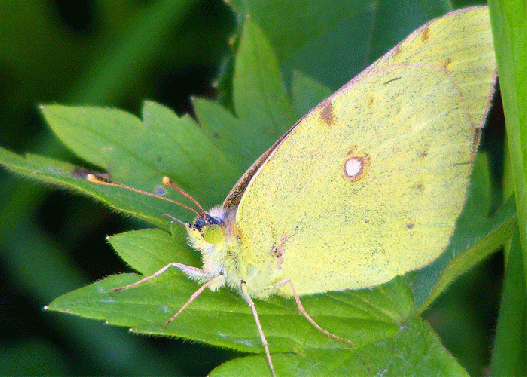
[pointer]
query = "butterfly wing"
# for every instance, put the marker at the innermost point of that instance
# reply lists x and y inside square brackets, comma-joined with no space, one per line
[369,184]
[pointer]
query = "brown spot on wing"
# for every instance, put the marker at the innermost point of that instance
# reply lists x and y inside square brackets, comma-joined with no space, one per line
[326,112]
[425,34]
[419,187]
[447,62]
[278,252]
[371,101]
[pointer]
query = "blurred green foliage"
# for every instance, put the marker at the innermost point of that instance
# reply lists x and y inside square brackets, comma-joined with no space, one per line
[118,53]
[112,53]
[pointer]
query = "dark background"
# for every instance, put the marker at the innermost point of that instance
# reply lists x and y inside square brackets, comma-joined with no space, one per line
[53,241]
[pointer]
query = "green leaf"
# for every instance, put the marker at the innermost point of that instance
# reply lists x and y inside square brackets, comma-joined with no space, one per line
[72,177]
[335,40]
[93,134]
[307,93]
[224,130]
[223,318]
[375,320]
[510,350]
[509,26]
[149,250]
[414,348]
[139,154]
[260,98]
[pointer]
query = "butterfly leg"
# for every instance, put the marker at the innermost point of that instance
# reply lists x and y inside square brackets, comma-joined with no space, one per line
[259,326]
[193,297]
[304,313]
[190,271]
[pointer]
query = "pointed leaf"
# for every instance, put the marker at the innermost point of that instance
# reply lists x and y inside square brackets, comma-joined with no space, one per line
[260,98]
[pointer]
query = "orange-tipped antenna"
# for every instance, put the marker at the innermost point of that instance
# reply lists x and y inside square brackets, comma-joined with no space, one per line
[105,181]
[168,182]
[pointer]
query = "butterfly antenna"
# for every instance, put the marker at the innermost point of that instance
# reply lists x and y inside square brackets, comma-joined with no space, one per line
[94,178]
[169,183]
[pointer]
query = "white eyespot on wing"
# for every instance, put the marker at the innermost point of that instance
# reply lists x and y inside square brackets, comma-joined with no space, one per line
[353,167]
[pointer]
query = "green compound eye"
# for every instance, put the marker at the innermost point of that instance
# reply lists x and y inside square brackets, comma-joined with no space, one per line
[213,234]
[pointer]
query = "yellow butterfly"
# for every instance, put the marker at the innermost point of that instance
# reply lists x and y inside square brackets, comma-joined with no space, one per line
[366,186]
